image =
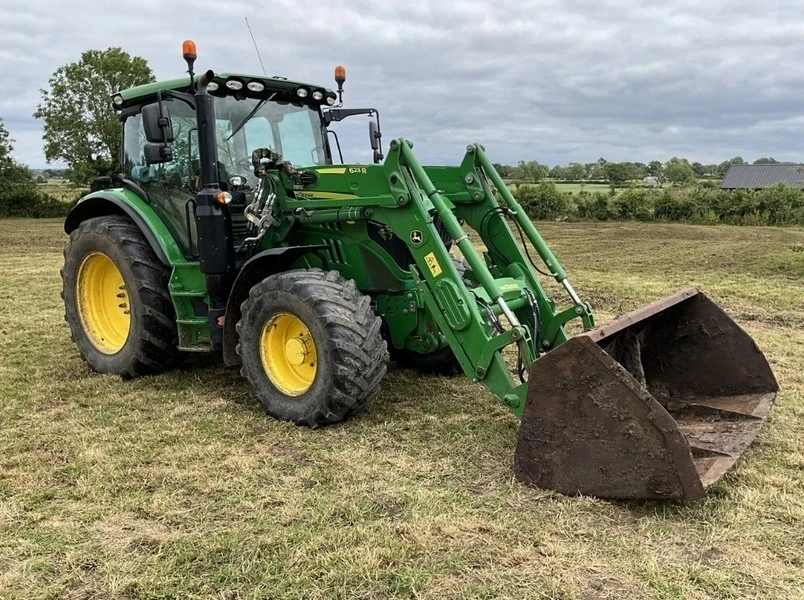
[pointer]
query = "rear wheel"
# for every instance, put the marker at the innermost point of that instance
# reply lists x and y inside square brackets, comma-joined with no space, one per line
[311,347]
[116,299]
[440,362]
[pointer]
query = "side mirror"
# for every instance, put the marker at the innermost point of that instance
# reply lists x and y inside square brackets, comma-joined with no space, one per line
[156,153]
[374,135]
[156,123]
[159,133]
[374,138]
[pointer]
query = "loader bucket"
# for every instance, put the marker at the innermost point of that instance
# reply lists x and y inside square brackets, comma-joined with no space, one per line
[657,404]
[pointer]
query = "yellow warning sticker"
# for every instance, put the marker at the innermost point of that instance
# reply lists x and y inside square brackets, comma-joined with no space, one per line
[432,263]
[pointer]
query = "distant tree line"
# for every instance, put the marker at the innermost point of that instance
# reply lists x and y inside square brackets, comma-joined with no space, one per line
[83,132]
[677,170]
[702,204]
[19,195]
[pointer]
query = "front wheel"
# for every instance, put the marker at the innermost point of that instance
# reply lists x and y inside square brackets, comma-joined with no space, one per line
[311,347]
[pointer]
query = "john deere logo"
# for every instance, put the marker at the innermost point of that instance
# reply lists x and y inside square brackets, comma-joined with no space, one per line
[416,237]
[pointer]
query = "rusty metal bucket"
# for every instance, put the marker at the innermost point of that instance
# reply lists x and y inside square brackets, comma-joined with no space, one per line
[657,404]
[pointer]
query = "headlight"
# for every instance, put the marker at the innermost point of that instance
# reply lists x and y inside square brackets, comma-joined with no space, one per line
[234,85]
[255,86]
[118,100]
[318,95]
[302,92]
[331,100]
[212,86]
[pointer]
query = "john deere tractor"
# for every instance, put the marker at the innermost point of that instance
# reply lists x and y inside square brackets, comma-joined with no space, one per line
[235,228]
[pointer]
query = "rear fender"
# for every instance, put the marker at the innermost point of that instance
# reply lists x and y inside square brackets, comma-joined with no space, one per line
[121,201]
[258,267]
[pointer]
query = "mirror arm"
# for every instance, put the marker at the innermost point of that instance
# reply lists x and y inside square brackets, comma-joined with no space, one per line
[339,114]
[337,143]
[188,99]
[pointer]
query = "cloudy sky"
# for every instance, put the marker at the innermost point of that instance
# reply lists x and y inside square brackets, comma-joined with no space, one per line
[554,81]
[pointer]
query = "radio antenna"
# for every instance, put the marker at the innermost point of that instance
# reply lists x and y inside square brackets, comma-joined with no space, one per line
[255,47]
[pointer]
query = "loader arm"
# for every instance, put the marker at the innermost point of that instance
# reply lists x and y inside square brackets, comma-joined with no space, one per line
[509,306]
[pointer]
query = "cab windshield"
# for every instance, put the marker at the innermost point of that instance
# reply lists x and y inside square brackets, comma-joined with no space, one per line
[245,125]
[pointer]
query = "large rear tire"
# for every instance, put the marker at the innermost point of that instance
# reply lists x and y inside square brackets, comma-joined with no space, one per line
[116,299]
[440,362]
[311,347]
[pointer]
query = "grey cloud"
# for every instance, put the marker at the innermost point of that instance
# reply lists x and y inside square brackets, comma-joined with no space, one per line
[553,81]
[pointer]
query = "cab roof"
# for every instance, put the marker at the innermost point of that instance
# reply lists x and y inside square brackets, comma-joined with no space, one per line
[284,89]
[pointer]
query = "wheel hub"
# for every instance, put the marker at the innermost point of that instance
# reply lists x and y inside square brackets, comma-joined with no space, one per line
[103,303]
[296,351]
[288,354]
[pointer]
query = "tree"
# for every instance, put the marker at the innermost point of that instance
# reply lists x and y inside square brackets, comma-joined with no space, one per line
[638,170]
[679,171]
[576,171]
[723,167]
[81,128]
[503,170]
[598,172]
[558,172]
[656,169]
[6,146]
[529,171]
[10,171]
[766,161]
[699,169]
[617,173]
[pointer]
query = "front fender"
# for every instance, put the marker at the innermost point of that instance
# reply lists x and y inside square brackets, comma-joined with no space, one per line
[258,267]
[122,201]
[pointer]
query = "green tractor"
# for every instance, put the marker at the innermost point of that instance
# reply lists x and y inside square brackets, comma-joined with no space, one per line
[233,228]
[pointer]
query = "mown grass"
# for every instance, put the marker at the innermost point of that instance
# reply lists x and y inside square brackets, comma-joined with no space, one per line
[177,486]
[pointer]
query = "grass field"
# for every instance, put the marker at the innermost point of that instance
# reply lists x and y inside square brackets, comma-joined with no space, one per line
[603,188]
[177,486]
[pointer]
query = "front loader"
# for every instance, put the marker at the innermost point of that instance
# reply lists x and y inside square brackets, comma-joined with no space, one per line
[232,228]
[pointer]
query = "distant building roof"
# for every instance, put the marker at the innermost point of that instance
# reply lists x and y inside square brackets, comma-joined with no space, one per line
[762,176]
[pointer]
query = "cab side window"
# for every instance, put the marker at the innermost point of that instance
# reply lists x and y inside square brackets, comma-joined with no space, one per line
[172,185]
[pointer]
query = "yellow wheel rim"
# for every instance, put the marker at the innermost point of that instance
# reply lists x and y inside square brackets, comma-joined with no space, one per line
[103,303]
[288,354]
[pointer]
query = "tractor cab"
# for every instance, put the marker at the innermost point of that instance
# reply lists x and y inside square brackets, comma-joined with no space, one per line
[251,112]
